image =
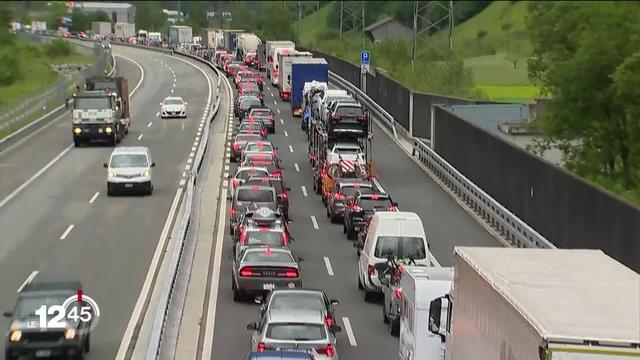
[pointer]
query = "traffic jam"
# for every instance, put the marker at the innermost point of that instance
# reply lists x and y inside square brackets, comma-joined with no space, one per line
[295,320]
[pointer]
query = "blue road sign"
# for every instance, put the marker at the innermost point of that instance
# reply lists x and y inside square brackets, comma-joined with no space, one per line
[364,57]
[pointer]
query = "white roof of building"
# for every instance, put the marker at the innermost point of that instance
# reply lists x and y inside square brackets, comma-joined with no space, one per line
[564,294]
[102,5]
[131,150]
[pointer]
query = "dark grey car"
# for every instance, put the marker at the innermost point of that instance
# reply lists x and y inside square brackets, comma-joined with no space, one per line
[343,190]
[257,271]
[255,196]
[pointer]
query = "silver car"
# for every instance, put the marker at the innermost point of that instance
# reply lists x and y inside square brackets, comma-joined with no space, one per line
[300,330]
[129,169]
[173,106]
[257,271]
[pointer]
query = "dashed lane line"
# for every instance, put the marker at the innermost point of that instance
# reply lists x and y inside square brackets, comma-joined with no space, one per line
[297,167]
[28,280]
[286,134]
[140,137]
[349,330]
[315,222]
[94,197]
[304,190]
[66,232]
[150,123]
[327,263]
[290,148]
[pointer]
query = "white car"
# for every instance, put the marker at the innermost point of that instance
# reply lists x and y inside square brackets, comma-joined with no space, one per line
[346,151]
[129,169]
[173,107]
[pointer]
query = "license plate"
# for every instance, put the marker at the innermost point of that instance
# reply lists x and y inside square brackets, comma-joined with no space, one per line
[128,185]
[268,286]
[100,130]
[308,351]
[43,353]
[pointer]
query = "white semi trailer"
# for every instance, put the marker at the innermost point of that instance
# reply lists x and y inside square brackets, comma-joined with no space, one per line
[538,304]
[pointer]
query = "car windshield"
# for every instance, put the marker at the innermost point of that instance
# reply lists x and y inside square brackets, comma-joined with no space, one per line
[173,102]
[379,204]
[28,305]
[247,137]
[297,301]
[250,126]
[92,103]
[347,150]
[257,237]
[268,256]
[265,147]
[400,247]
[244,175]
[349,111]
[128,160]
[263,156]
[260,112]
[296,332]
[250,195]
[352,190]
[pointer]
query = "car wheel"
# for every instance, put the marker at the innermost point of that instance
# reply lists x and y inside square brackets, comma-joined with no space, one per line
[394,327]
[230,230]
[87,344]
[344,227]
[112,141]
[79,355]
[318,188]
[385,318]
[368,295]
[334,218]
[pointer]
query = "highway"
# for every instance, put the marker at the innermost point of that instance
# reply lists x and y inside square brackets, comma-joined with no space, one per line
[330,259]
[54,212]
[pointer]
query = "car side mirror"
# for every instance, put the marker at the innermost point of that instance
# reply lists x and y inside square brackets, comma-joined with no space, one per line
[252,326]
[160,104]
[153,164]
[258,300]
[336,328]
[395,204]
[185,104]
[334,301]
[105,165]
[7,314]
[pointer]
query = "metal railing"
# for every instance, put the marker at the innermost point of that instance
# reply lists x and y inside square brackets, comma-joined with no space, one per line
[515,231]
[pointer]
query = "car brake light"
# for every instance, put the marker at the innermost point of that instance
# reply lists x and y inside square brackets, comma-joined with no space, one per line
[398,293]
[362,118]
[276,174]
[235,182]
[328,350]
[374,197]
[233,211]
[284,195]
[356,208]
[393,208]
[284,240]
[264,229]
[261,347]
[291,273]
[371,270]
[336,117]
[236,146]
[339,196]
[243,238]
[247,272]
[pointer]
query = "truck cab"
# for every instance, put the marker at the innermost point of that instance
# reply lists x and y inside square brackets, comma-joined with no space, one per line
[420,285]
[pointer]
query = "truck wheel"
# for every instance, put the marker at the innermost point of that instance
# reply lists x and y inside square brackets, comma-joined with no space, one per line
[76,143]
[344,227]
[87,344]
[394,327]
[368,296]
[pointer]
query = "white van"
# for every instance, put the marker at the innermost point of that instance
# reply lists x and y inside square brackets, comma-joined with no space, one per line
[129,169]
[395,233]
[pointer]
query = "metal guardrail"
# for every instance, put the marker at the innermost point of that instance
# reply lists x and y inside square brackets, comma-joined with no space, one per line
[507,224]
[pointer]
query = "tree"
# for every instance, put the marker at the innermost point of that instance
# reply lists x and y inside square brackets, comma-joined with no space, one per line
[149,16]
[56,10]
[577,60]
[276,24]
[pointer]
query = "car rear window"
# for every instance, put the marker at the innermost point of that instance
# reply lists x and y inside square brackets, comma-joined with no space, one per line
[253,126]
[244,175]
[260,112]
[296,332]
[400,246]
[257,237]
[349,111]
[247,137]
[250,102]
[298,301]
[259,147]
[250,195]
[263,156]
[173,102]
[268,256]
[351,190]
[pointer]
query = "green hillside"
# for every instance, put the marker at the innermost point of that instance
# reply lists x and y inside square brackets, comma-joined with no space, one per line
[316,21]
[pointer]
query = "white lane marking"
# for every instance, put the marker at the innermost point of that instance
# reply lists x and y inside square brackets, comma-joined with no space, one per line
[315,222]
[140,137]
[191,154]
[187,167]
[327,263]
[149,124]
[226,168]
[189,161]
[304,190]
[290,148]
[94,197]
[182,182]
[297,167]
[278,111]
[274,102]
[194,148]
[184,174]
[347,327]
[286,133]
[172,91]
[28,280]
[66,232]
[146,286]
[158,114]
[34,177]
[281,121]
[182,122]
[375,181]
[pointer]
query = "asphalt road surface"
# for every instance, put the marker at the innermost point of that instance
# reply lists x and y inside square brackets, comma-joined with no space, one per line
[55,216]
[330,259]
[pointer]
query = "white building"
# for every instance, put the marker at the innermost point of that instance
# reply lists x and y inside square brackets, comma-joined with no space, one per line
[117,12]
[173,15]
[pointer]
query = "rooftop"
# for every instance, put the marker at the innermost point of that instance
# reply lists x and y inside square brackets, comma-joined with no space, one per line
[102,5]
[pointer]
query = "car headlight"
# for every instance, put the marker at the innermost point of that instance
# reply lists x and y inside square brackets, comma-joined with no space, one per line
[144,173]
[69,334]
[77,130]
[15,336]
[112,173]
[108,130]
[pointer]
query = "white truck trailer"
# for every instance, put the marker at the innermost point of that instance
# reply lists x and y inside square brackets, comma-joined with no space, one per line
[271,49]
[124,30]
[284,72]
[247,44]
[102,28]
[539,304]
[179,34]
[420,285]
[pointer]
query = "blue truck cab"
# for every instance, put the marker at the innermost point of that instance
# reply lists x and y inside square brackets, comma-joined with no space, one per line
[305,70]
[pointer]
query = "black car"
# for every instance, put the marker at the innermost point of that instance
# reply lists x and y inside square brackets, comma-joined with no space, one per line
[281,190]
[361,206]
[26,336]
[266,115]
[343,190]
[245,104]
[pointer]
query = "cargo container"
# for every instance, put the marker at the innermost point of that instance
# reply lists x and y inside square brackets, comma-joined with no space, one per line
[538,304]
[229,39]
[278,52]
[212,38]
[179,34]
[270,47]
[305,70]
[284,72]
[247,44]
[124,30]
[101,27]
[261,57]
